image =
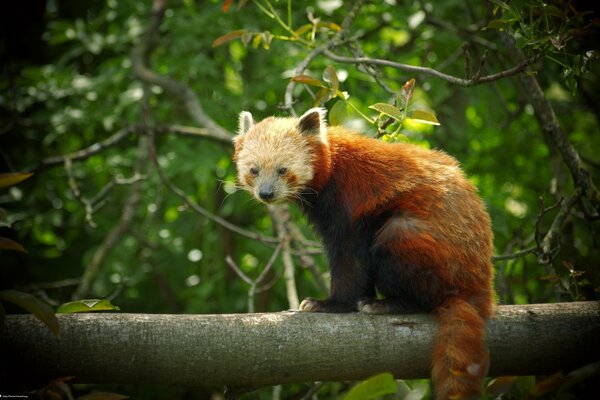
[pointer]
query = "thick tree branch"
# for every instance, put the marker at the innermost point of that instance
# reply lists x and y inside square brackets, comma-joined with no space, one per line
[286,347]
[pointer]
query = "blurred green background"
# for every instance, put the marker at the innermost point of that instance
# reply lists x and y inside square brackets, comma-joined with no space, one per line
[67,83]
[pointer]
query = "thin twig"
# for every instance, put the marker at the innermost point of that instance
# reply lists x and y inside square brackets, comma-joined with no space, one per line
[85,153]
[518,254]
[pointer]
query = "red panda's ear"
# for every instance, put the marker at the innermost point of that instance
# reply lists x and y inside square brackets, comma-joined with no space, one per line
[245,122]
[313,122]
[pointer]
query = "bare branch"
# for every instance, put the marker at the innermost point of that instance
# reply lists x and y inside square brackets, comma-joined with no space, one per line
[172,86]
[85,153]
[520,67]
[119,230]
[518,254]
[254,289]
[549,123]
[546,249]
[288,100]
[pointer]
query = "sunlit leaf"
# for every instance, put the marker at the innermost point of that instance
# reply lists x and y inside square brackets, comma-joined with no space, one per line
[424,117]
[374,387]
[9,244]
[30,303]
[228,37]
[338,113]
[330,25]
[389,110]
[256,41]
[303,29]
[11,178]
[86,305]
[308,80]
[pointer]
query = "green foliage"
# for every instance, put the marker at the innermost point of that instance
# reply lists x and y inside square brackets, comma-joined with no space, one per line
[36,307]
[372,388]
[86,305]
[76,88]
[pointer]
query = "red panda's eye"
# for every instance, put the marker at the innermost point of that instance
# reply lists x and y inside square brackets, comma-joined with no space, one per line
[254,171]
[282,171]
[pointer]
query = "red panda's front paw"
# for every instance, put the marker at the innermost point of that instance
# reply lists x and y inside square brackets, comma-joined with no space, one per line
[311,305]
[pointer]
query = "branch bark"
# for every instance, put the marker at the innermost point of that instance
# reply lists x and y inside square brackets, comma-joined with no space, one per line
[286,347]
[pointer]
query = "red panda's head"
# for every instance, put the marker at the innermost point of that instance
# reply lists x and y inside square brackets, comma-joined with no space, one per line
[276,157]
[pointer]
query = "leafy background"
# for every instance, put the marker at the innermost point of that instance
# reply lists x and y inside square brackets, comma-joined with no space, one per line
[68,82]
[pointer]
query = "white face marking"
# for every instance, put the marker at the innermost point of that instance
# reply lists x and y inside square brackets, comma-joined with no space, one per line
[269,146]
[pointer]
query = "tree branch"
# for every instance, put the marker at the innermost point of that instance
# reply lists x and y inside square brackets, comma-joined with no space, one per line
[520,67]
[352,13]
[171,86]
[85,153]
[551,127]
[286,347]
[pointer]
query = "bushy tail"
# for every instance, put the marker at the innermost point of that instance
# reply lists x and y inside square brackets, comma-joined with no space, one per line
[460,355]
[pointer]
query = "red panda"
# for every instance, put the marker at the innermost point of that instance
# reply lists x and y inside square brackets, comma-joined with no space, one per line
[396,219]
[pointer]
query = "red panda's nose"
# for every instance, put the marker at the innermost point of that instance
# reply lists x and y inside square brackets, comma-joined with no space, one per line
[266,192]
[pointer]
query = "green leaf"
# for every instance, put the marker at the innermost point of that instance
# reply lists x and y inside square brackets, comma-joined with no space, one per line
[424,117]
[322,96]
[338,113]
[247,38]
[376,386]
[308,80]
[228,37]
[330,76]
[330,25]
[497,24]
[9,244]
[11,178]
[303,29]
[86,305]
[256,41]
[501,4]
[30,303]
[4,219]
[267,38]
[389,110]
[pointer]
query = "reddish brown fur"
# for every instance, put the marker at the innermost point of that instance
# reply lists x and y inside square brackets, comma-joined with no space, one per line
[435,230]
[376,177]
